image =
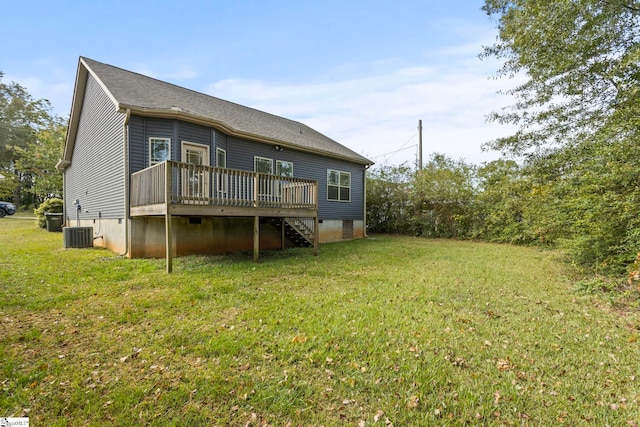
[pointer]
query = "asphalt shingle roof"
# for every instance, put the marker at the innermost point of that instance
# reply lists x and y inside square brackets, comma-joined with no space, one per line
[144,94]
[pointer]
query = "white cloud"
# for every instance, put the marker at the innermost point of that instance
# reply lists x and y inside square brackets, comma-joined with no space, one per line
[379,114]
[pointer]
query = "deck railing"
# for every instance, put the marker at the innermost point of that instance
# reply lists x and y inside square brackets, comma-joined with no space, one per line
[184,183]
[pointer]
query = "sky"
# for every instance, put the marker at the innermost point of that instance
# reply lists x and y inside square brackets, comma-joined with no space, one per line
[361,72]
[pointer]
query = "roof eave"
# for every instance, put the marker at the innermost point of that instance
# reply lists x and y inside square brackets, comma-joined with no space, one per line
[205,121]
[79,89]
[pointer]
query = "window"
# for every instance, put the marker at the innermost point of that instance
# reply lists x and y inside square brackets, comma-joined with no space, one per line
[195,179]
[194,157]
[263,165]
[338,185]
[159,150]
[221,158]
[221,177]
[284,168]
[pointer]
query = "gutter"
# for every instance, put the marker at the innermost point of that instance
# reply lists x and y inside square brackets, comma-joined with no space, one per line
[223,127]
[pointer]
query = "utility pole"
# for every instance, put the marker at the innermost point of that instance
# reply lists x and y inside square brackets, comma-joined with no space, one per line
[419,145]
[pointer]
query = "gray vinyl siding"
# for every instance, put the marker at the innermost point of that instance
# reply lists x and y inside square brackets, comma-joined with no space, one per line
[141,129]
[96,174]
[138,155]
[240,155]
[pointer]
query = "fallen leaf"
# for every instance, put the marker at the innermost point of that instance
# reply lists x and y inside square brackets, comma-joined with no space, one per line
[378,415]
[413,402]
[299,339]
[503,364]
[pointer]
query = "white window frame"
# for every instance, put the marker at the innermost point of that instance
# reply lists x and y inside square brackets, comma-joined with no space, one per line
[195,183]
[339,185]
[154,140]
[224,153]
[279,164]
[255,163]
[222,177]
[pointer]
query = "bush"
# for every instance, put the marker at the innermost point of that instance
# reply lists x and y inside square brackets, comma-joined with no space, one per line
[48,206]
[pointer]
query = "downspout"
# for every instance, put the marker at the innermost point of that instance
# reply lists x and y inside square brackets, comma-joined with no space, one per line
[127,208]
[64,198]
[364,220]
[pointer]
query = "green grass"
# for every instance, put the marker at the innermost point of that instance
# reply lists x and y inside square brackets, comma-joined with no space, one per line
[388,329]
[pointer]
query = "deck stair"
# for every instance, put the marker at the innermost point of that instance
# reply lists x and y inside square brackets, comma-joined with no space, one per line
[297,230]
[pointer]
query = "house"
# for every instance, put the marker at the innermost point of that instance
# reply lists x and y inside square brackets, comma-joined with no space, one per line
[159,170]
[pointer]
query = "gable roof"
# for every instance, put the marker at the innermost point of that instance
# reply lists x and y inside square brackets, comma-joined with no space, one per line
[149,97]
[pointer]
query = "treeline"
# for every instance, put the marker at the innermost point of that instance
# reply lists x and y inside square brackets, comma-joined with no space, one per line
[31,142]
[576,109]
[584,201]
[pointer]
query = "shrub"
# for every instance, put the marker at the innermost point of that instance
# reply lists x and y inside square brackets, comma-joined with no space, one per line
[48,206]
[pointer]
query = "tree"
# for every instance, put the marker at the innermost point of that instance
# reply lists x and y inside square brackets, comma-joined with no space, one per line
[578,118]
[581,59]
[21,118]
[499,206]
[388,199]
[39,158]
[442,198]
[436,201]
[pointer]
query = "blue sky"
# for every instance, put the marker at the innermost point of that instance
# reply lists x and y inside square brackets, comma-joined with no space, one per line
[361,72]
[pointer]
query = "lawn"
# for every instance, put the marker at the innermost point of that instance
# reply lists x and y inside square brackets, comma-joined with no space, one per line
[384,331]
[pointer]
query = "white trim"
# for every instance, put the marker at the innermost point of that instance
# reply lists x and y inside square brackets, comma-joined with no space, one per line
[195,183]
[221,150]
[206,161]
[158,139]
[256,158]
[339,186]
[278,166]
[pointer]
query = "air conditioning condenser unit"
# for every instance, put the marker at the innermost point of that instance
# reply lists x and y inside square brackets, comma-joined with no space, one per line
[77,237]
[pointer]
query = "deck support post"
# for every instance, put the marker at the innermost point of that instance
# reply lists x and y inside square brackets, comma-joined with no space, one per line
[316,219]
[256,238]
[283,234]
[316,235]
[169,241]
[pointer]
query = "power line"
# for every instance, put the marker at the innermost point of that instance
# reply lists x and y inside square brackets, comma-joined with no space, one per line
[402,148]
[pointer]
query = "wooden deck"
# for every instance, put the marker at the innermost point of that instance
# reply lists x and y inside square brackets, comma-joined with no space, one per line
[174,188]
[186,189]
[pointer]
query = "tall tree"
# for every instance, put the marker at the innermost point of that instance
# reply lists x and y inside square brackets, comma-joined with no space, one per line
[581,63]
[38,160]
[388,209]
[578,118]
[442,198]
[21,117]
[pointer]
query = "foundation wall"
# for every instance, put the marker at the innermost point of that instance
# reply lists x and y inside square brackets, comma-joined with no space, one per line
[199,235]
[205,235]
[107,233]
[336,230]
